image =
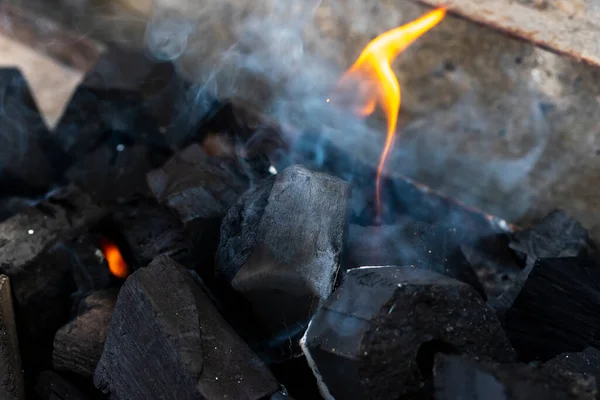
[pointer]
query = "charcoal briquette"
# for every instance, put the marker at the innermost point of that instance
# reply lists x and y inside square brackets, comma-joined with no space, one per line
[280,247]
[377,334]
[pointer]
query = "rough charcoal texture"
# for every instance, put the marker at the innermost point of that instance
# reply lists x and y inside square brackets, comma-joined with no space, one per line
[239,233]
[52,386]
[11,384]
[375,337]
[33,256]
[166,340]
[197,186]
[586,362]
[557,235]
[111,142]
[78,345]
[151,229]
[290,257]
[30,161]
[459,378]
[410,242]
[557,310]
[496,265]
[161,88]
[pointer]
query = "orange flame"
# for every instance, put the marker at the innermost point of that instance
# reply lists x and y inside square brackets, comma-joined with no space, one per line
[381,87]
[116,264]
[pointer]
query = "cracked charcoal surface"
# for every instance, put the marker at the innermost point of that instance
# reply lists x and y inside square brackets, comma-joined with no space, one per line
[367,337]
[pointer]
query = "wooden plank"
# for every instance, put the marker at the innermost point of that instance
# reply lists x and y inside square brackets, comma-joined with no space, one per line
[570,27]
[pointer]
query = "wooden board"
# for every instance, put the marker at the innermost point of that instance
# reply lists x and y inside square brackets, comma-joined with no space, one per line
[569,27]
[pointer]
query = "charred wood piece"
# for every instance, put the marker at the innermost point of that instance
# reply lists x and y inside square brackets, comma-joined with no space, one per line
[29,158]
[280,246]
[199,187]
[557,235]
[557,309]
[410,242]
[33,256]
[162,89]
[52,386]
[459,378]
[110,142]
[78,345]
[152,229]
[11,385]
[166,340]
[377,334]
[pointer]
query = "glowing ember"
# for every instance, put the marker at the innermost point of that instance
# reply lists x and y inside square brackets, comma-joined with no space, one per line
[379,83]
[116,264]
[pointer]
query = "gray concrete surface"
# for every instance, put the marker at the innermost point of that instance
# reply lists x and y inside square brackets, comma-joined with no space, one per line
[498,123]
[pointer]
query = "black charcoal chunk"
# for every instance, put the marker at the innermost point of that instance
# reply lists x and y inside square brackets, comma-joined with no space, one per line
[78,345]
[11,385]
[586,362]
[30,160]
[557,235]
[460,378]
[199,187]
[289,252]
[52,386]
[557,310]
[40,266]
[90,268]
[111,142]
[166,340]
[411,242]
[377,334]
[151,229]
[161,88]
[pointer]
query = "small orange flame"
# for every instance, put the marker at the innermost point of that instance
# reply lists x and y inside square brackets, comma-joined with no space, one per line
[116,264]
[379,83]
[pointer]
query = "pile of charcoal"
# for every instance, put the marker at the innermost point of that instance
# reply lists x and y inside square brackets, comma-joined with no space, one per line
[143,256]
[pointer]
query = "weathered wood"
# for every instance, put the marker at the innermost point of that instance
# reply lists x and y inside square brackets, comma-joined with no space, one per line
[460,378]
[11,384]
[565,26]
[376,335]
[166,340]
[281,246]
[78,345]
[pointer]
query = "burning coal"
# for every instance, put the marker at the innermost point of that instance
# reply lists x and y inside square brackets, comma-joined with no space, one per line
[116,263]
[378,84]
